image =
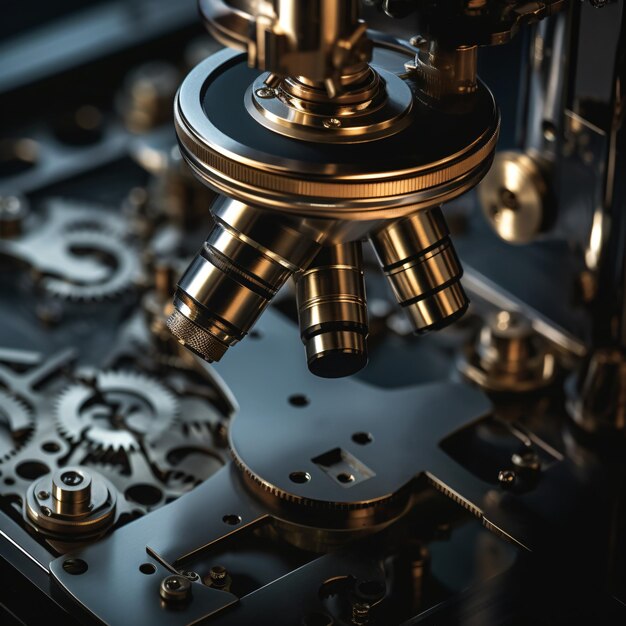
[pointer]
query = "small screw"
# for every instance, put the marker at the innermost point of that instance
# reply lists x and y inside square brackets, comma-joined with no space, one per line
[265,92]
[43,495]
[218,575]
[175,589]
[506,477]
[193,576]
[332,122]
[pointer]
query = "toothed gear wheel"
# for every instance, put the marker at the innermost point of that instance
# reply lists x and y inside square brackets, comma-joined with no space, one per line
[16,424]
[116,271]
[116,410]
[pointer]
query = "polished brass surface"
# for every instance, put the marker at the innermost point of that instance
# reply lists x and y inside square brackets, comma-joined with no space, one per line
[330,188]
[418,257]
[514,197]
[332,311]
[509,356]
[317,39]
[72,503]
[446,72]
[245,260]
[373,104]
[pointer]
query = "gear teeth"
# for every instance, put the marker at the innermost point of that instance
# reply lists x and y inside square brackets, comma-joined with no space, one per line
[307,502]
[150,394]
[122,279]
[20,421]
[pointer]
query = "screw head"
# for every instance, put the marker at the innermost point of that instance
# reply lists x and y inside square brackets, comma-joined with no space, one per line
[43,495]
[332,122]
[506,477]
[218,575]
[175,589]
[265,93]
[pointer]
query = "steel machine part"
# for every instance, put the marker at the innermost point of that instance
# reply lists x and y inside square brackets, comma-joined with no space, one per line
[419,260]
[115,410]
[332,311]
[509,356]
[72,503]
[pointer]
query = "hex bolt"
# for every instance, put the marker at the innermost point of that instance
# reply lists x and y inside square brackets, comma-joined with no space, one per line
[175,589]
[506,478]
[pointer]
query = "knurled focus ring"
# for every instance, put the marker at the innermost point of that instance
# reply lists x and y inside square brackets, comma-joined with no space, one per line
[195,338]
[213,163]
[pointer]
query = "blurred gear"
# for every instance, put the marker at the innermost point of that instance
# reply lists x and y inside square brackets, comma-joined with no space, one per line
[86,257]
[115,410]
[114,272]
[16,424]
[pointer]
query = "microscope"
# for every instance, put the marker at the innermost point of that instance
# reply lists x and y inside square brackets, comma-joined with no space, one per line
[346,143]
[327,135]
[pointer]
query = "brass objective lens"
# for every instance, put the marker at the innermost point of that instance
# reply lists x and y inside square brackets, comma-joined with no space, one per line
[246,259]
[420,262]
[332,311]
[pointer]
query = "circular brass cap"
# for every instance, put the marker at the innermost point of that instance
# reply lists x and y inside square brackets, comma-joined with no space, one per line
[514,197]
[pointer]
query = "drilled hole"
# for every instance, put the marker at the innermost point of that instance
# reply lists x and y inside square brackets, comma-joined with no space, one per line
[145,494]
[147,568]
[9,481]
[50,447]
[299,400]
[255,334]
[300,477]
[344,477]
[75,566]
[30,470]
[231,520]
[362,438]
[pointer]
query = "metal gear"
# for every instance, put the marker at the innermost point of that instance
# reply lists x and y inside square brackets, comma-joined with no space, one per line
[117,270]
[16,424]
[141,489]
[115,410]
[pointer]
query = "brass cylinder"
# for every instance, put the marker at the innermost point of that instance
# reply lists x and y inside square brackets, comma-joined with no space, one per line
[420,262]
[332,311]
[246,259]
